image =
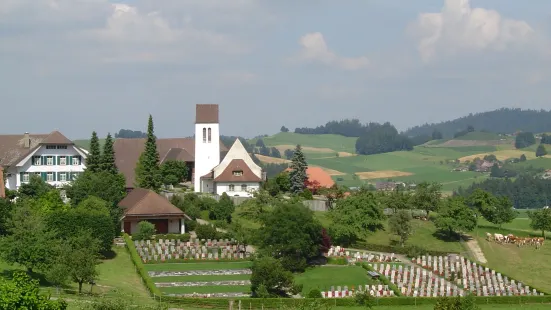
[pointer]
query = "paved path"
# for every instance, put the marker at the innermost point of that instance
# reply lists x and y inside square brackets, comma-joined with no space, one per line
[474,248]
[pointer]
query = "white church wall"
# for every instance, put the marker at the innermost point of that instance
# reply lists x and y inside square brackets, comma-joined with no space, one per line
[238,151]
[238,189]
[207,151]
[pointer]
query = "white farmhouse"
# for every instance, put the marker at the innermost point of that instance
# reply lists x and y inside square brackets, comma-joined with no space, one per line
[236,175]
[53,157]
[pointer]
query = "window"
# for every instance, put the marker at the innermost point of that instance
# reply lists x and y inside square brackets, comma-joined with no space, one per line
[209,135]
[243,187]
[238,173]
[76,161]
[50,177]
[62,160]
[232,188]
[25,177]
[63,176]
[36,160]
[50,147]
[61,147]
[50,160]
[204,135]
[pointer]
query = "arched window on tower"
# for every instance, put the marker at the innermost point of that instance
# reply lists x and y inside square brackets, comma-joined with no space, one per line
[204,135]
[210,136]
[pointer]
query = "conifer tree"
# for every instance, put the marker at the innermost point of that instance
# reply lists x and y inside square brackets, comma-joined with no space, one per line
[148,174]
[93,160]
[298,175]
[541,151]
[108,156]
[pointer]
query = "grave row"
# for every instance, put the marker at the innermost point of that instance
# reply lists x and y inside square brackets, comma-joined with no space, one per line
[221,272]
[358,256]
[152,251]
[211,295]
[204,283]
[481,281]
[373,290]
[417,282]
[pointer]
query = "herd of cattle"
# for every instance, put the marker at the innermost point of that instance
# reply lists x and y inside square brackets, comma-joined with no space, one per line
[519,241]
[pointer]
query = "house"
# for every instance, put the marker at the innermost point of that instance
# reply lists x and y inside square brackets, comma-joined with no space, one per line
[146,205]
[385,186]
[317,177]
[484,166]
[236,175]
[53,157]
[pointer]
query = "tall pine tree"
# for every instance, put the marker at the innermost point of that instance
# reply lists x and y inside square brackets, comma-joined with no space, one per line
[93,160]
[298,174]
[108,156]
[148,174]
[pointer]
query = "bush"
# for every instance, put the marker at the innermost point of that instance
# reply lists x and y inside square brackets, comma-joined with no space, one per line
[337,261]
[206,231]
[146,231]
[306,194]
[190,225]
[181,237]
[315,293]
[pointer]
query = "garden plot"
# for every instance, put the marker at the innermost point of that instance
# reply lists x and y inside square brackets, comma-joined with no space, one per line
[353,256]
[170,250]
[202,279]
[479,280]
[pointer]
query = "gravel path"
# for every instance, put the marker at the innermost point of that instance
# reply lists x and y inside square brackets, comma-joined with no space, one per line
[475,249]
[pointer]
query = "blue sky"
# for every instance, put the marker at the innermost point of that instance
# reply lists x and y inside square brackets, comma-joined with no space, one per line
[83,65]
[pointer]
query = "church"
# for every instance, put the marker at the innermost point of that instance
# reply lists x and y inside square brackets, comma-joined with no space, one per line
[214,168]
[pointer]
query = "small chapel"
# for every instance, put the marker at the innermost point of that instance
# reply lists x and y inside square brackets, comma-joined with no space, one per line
[236,174]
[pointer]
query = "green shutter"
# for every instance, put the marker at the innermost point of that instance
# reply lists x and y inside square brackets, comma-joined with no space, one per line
[44,176]
[56,159]
[21,177]
[69,160]
[79,160]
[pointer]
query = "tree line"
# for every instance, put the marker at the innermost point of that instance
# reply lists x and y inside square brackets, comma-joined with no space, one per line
[503,120]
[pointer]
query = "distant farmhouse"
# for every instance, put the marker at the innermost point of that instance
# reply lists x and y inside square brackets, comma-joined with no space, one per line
[52,157]
[214,168]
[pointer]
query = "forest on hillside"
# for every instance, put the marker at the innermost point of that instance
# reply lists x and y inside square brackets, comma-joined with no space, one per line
[504,120]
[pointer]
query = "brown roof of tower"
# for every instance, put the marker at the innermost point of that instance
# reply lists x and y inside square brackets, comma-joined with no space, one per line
[237,165]
[144,202]
[206,114]
[128,151]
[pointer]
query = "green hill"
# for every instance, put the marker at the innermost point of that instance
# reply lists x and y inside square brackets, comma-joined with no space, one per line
[85,143]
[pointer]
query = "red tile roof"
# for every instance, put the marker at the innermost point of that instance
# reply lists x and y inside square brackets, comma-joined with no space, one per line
[317,174]
[237,165]
[146,203]
[206,114]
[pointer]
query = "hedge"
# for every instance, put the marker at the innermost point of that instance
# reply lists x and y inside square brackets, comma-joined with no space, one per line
[384,280]
[149,284]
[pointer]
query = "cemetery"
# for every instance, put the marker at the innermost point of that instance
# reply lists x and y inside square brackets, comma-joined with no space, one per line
[354,256]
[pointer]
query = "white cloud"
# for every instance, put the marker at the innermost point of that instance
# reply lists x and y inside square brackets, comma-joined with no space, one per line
[460,28]
[315,49]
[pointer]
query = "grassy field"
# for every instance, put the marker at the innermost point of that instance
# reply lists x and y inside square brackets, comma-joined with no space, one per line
[323,278]
[85,143]
[203,266]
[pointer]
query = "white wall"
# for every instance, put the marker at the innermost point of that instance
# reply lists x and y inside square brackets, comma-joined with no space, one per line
[174,226]
[238,151]
[225,188]
[207,154]
[27,167]
[207,186]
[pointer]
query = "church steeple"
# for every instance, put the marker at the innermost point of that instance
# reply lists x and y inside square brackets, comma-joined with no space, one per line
[207,144]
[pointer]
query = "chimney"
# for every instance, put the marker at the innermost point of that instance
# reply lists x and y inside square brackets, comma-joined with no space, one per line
[2,189]
[26,141]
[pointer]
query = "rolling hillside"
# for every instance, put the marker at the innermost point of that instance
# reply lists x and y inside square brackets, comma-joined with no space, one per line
[433,161]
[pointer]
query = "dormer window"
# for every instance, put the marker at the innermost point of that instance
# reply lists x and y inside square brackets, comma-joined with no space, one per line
[238,173]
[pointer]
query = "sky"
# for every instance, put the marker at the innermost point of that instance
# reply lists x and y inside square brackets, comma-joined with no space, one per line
[79,66]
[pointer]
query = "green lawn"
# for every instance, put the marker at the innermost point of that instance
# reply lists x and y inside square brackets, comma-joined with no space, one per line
[431,307]
[202,278]
[206,289]
[335,142]
[480,136]
[197,266]
[85,143]
[323,278]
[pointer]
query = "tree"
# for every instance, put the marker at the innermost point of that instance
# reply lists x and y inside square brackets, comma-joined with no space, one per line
[188,205]
[289,153]
[206,231]
[29,242]
[524,139]
[383,138]
[332,194]
[148,174]
[325,241]
[437,135]
[400,224]
[284,129]
[173,172]
[503,212]
[495,172]
[456,303]
[24,293]
[6,208]
[454,217]
[541,220]
[223,210]
[290,233]
[81,258]
[146,230]
[274,152]
[522,157]
[541,151]
[397,200]
[35,188]
[269,276]
[484,203]
[93,159]
[298,175]
[105,185]
[108,156]
[260,143]
[427,196]
[355,216]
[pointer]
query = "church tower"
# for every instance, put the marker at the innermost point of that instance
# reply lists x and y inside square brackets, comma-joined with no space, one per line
[207,143]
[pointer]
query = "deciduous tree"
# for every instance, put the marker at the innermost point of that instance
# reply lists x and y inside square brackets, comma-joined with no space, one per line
[541,220]
[455,217]
[298,175]
[427,196]
[93,159]
[108,156]
[82,258]
[35,188]
[524,139]
[6,208]
[173,172]
[269,276]
[24,293]
[223,210]
[148,174]
[105,185]
[400,224]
